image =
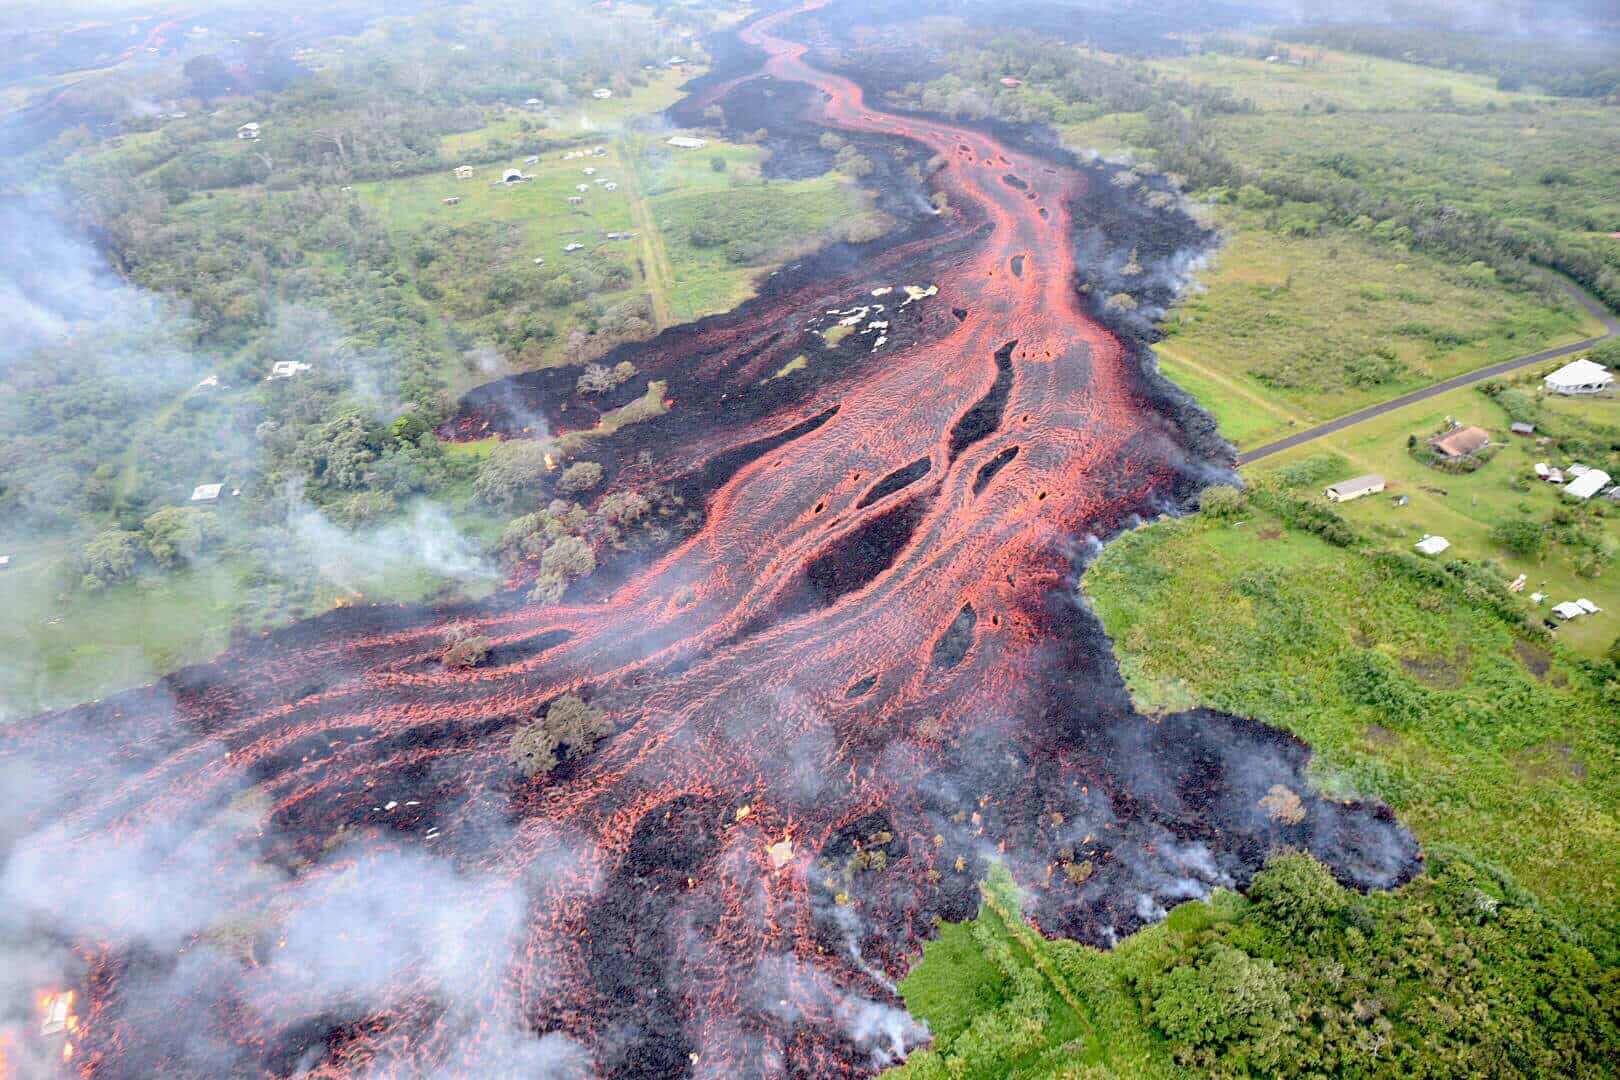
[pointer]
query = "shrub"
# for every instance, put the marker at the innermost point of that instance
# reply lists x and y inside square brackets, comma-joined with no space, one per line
[570,722]
[513,471]
[580,476]
[466,652]
[1222,501]
[1520,537]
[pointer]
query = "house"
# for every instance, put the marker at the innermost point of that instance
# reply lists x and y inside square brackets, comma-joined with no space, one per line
[601,93]
[598,151]
[573,247]
[589,170]
[677,61]
[1355,488]
[1432,545]
[1012,83]
[532,159]
[576,200]
[454,200]
[686,142]
[1554,475]
[538,261]
[5,562]
[600,180]
[582,187]
[1542,470]
[514,176]
[1522,428]
[610,186]
[248,131]
[206,492]
[531,102]
[1586,485]
[1579,377]
[464,172]
[286,369]
[1463,442]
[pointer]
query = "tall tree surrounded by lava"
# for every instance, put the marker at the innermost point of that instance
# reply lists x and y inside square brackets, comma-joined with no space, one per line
[862,679]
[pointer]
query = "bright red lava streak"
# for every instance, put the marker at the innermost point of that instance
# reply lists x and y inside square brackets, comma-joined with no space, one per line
[903,674]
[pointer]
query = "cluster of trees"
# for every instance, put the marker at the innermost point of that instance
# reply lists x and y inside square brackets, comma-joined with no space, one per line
[1455,974]
[570,726]
[169,538]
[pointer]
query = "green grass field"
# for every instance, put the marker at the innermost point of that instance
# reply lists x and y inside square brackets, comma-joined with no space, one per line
[1464,507]
[1338,80]
[1406,691]
[1289,331]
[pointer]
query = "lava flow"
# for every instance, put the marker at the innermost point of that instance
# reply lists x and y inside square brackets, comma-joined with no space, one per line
[859,680]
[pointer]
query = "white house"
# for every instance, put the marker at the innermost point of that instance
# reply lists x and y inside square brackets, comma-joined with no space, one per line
[1432,545]
[1355,488]
[286,369]
[1579,377]
[1586,485]
[464,172]
[601,93]
[686,142]
[248,131]
[206,492]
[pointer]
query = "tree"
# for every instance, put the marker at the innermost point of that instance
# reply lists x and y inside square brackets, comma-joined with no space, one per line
[717,163]
[465,650]
[1520,537]
[208,75]
[580,476]
[1227,1007]
[1221,501]
[178,534]
[514,471]
[109,557]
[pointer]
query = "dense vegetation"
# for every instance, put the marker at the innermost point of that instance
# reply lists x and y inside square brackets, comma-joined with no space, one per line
[1455,974]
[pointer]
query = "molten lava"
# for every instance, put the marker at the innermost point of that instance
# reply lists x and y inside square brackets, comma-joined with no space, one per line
[859,680]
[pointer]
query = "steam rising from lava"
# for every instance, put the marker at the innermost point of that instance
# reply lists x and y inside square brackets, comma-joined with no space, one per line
[860,681]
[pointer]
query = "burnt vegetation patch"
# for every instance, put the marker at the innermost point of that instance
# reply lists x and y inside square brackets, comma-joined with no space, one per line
[858,557]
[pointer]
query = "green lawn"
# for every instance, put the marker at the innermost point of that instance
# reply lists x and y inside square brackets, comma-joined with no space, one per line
[1289,331]
[585,117]
[1338,80]
[1472,503]
[1407,691]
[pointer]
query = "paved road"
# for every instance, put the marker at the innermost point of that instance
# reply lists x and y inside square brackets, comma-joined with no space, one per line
[1610,323]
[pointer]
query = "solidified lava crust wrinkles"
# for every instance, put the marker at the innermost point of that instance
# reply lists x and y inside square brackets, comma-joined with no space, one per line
[871,642]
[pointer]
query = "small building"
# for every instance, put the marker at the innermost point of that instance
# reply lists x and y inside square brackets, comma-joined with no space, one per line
[600,180]
[205,493]
[1586,485]
[248,131]
[464,172]
[601,93]
[576,200]
[1463,442]
[589,170]
[1542,470]
[286,369]
[515,176]
[1568,610]
[598,151]
[538,261]
[1355,488]
[532,102]
[1432,545]
[453,200]
[1521,428]
[575,246]
[1579,377]
[5,562]
[582,187]
[677,61]
[532,159]
[1554,475]
[1012,83]
[610,186]
[686,142]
